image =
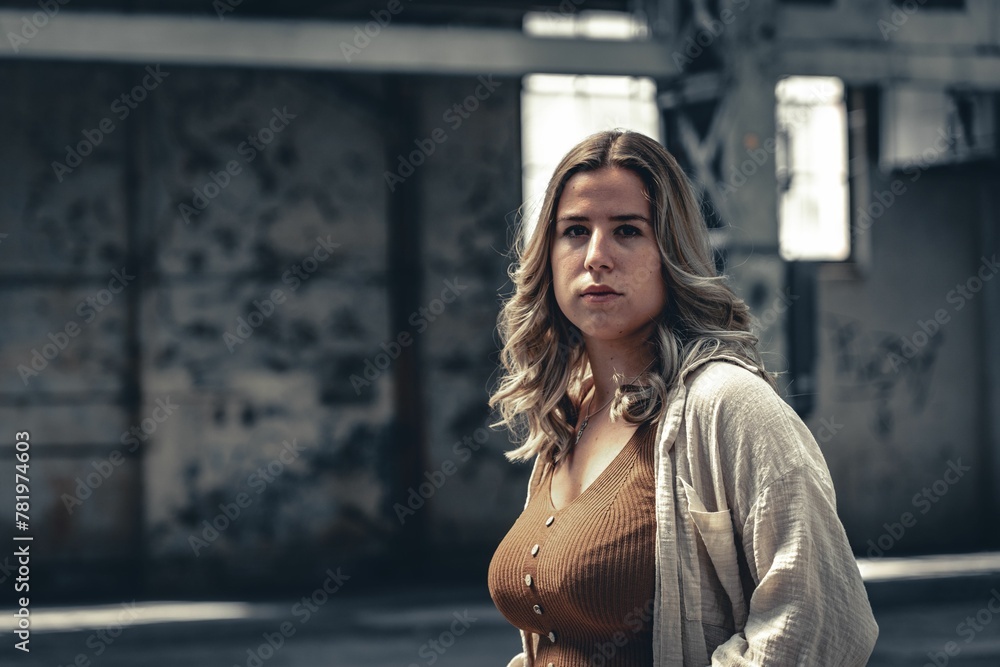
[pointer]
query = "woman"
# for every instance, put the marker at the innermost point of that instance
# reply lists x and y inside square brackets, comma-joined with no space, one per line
[679,512]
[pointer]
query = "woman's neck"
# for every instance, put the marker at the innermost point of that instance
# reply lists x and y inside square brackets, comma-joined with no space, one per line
[608,360]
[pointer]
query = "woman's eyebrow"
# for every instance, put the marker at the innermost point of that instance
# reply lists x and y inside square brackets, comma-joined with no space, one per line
[628,217]
[620,217]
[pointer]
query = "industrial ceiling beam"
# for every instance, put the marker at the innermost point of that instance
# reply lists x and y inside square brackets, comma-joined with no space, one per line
[860,64]
[320,45]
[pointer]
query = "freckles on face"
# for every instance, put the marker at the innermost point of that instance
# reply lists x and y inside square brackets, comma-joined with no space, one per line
[606,265]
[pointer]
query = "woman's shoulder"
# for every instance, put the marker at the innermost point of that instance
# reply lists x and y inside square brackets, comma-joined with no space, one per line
[754,429]
[728,395]
[728,379]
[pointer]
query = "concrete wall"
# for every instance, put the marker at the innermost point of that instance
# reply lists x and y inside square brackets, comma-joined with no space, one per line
[262,419]
[469,213]
[902,368]
[63,239]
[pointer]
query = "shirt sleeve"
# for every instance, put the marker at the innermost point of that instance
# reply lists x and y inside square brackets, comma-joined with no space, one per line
[809,606]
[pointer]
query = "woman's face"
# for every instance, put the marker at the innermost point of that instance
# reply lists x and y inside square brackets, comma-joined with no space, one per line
[605,259]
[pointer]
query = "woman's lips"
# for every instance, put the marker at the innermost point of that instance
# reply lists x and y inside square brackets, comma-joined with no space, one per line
[599,297]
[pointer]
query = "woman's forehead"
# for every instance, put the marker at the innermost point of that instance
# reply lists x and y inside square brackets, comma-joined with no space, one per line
[606,186]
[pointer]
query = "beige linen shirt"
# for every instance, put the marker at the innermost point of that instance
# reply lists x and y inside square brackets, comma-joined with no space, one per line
[752,563]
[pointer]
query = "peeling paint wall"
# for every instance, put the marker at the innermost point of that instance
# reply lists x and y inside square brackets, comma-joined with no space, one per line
[63,358]
[258,309]
[470,222]
[902,370]
[248,212]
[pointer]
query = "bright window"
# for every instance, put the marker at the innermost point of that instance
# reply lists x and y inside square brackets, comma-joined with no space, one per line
[813,220]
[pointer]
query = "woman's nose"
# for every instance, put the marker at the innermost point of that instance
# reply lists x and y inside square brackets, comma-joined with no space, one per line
[599,254]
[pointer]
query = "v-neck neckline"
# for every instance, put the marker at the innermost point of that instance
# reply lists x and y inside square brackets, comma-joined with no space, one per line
[615,462]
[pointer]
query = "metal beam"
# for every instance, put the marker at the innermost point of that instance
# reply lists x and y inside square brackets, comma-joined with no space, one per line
[864,64]
[323,45]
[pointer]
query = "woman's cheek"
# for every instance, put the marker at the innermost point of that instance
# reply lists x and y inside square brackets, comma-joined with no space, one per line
[562,293]
[648,271]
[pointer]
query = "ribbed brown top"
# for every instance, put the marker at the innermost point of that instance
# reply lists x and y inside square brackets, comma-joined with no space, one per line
[585,573]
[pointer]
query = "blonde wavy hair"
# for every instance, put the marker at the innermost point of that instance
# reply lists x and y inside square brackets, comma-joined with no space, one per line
[545,365]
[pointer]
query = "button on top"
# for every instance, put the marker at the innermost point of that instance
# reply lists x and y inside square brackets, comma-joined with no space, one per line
[548,522]
[534,550]
[527,580]
[538,609]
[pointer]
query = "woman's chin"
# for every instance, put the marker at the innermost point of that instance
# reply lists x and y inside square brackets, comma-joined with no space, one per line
[612,334]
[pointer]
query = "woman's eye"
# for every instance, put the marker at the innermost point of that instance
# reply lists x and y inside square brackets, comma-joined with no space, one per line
[575,230]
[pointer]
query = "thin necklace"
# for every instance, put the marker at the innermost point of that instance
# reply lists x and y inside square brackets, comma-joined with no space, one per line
[586,420]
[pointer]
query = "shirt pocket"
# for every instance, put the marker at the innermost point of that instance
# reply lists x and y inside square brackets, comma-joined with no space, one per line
[722,601]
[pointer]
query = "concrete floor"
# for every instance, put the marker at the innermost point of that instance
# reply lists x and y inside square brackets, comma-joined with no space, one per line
[921,619]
